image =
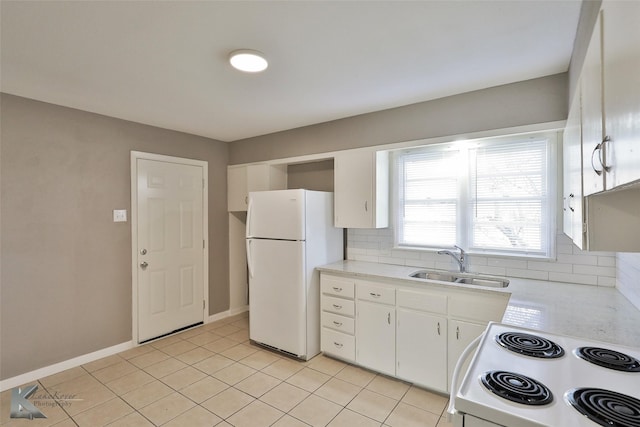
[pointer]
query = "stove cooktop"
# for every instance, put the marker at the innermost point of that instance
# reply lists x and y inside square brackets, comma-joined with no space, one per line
[604,390]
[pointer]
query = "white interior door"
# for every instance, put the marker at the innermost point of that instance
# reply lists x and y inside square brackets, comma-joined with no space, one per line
[170,247]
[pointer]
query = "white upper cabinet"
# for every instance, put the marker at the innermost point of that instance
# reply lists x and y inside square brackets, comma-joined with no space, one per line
[621,57]
[243,179]
[572,209]
[592,131]
[362,189]
[605,117]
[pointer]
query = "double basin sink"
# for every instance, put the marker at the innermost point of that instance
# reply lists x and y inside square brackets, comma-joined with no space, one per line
[461,278]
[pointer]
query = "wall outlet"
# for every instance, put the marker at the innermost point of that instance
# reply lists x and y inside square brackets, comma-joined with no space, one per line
[119,215]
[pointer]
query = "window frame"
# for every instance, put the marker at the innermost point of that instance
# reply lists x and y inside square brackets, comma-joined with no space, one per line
[464,218]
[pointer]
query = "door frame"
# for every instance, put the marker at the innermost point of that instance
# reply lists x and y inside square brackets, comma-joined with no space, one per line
[135,156]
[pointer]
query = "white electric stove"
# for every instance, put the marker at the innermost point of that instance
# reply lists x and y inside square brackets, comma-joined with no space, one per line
[526,378]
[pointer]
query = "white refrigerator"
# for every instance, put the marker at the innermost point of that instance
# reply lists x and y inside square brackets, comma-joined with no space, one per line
[289,233]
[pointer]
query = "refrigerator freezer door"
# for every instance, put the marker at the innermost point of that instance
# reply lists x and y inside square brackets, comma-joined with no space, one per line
[277,294]
[276,215]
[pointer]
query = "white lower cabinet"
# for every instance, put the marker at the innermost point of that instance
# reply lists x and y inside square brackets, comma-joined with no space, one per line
[421,343]
[337,317]
[461,333]
[415,333]
[376,328]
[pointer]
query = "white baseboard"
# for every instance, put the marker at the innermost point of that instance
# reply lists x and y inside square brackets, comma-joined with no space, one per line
[227,313]
[63,366]
[86,358]
[238,310]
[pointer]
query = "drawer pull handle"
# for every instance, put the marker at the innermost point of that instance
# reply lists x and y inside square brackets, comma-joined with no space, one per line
[337,289]
[338,324]
[337,344]
[389,318]
[457,332]
[374,295]
[438,328]
[337,307]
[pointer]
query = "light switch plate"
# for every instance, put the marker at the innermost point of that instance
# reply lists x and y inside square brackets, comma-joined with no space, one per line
[119,215]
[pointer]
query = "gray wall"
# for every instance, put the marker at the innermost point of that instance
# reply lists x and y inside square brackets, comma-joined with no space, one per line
[66,267]
[523,103]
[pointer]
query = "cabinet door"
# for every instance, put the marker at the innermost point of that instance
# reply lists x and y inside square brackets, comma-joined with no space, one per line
[376,336]
[354,186]
[621,53]
[243,179]
[572,210]
[361,189]
[421,341]
[460,336]
[592,131]
[237,195]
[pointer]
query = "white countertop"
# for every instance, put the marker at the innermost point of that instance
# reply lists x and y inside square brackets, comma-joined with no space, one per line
[596,313]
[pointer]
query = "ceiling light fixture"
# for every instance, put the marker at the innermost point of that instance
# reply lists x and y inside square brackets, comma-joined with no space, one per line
[250,61]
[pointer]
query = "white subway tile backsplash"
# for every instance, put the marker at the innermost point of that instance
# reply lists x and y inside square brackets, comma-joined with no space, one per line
[628,276]
[507,263]
[578,259]
[595,270]
[573,278]
[528,274]
[550,266]
[571,265]
[486,269]
[607,261]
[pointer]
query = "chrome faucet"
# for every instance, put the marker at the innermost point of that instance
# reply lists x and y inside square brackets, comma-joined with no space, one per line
[460,259]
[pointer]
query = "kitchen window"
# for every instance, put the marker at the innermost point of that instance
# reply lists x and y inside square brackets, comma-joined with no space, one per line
[492,196]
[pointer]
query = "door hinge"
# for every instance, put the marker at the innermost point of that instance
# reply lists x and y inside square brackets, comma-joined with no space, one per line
[203,244]
[203,304]
[202,182]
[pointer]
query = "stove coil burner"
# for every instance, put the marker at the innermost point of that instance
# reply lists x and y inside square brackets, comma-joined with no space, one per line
[529,345]
[609,359]
[606,408]
[517,388]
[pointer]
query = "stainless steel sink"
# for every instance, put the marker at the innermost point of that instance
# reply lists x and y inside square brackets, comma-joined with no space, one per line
[462,278]
[483,281]
[430,275]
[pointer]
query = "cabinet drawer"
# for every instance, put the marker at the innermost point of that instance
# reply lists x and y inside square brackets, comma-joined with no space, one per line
[338,344]
[338,305]
[375,293]
[478,306]
[339,323]
[423,301]
[337,286]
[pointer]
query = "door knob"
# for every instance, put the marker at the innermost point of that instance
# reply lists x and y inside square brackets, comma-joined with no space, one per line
[144,264]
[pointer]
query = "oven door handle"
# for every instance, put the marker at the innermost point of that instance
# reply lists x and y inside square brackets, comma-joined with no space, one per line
[456,373]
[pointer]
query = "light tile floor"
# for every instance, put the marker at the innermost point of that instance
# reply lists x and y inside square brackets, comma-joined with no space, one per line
[213,376]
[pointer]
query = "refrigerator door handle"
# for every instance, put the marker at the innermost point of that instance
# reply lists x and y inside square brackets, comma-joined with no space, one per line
[249,219]
[249,258]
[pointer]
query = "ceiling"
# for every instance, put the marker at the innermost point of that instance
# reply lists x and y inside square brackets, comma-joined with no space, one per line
[164,63]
